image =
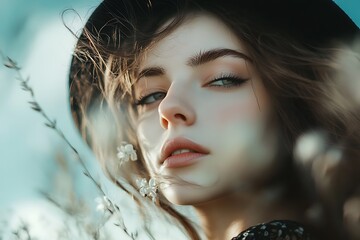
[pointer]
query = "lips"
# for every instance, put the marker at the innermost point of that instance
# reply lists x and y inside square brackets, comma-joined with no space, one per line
[181,152]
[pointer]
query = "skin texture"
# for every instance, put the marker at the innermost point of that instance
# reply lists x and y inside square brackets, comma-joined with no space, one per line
[226,119]
[230,119]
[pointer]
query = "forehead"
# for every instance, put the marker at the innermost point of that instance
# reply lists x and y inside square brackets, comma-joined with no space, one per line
[198,33]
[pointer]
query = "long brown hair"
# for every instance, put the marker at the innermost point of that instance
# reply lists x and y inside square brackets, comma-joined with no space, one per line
[296,64]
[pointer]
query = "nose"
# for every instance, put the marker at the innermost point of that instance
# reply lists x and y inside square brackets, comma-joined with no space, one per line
[175,109]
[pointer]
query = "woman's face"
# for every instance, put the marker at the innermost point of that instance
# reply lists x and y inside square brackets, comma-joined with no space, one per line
[203,113]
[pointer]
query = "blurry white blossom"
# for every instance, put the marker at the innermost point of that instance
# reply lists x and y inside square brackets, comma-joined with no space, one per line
[309,146]
[126,152]
[147,189]
[104,204]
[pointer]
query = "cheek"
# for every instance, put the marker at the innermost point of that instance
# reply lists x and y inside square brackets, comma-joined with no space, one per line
[148,127]
[148,134]
[247,148]
[246,153]
[252,103]
[235,111]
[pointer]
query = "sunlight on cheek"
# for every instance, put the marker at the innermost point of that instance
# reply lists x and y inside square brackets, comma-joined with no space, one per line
[149,134]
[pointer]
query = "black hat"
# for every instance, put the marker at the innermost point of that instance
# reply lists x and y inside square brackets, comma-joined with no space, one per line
[314,19]
[315,22]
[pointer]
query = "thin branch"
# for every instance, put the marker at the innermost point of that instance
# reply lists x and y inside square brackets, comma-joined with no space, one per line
[24,83]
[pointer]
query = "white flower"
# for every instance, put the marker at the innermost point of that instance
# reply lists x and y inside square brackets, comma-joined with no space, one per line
[104,204]
[126,152]
[147,189]
[309,146]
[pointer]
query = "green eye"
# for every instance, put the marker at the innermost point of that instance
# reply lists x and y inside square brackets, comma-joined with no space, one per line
[227,81]
[150,98]
[223,82]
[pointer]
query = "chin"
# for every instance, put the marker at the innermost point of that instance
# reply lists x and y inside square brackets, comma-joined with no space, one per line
[189,194]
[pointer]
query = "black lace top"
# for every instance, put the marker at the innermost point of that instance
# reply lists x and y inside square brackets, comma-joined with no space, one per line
[275,230]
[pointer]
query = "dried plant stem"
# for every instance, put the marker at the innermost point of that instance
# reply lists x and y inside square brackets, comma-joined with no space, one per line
[24,82]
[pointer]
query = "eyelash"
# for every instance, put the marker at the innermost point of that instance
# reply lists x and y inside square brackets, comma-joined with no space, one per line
[142,99]
[235,81]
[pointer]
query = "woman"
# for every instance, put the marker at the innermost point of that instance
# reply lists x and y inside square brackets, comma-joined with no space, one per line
[213,95]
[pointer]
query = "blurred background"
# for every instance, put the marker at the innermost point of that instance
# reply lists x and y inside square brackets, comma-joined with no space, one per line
[33,158]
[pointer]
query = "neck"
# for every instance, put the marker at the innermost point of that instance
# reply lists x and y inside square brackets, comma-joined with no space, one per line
[226,217]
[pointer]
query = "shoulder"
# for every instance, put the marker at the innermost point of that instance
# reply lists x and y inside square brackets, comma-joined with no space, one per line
[275,230]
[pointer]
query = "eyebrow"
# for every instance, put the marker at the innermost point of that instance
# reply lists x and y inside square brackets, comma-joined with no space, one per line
[208,56]
[151,72]
[198,59]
